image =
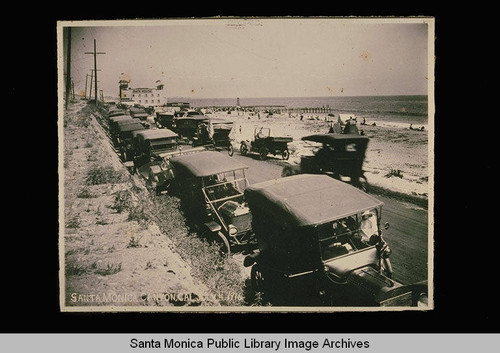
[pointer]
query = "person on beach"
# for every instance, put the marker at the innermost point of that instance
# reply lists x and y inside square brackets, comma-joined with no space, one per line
[368,227]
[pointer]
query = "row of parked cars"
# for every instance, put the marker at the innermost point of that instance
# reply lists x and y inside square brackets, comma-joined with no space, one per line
[311,239]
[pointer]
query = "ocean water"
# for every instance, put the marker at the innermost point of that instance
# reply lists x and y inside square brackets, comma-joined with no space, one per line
[397,111]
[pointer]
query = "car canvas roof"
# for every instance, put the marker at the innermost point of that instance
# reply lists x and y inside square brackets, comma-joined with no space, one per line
[193,117]
[206,163]
[307,199]
[120,117]
[327,138]
[127,122]
[156,134]
[131,127]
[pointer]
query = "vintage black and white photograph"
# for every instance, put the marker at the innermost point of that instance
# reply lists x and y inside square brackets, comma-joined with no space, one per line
[246,164]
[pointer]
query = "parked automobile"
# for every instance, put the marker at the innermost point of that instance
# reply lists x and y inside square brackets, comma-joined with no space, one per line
[115,121]
[320,242]
[124,141]
[152,152]
[141,114]
[117,112]
[222,130]
[264,143]
[211,185]
[338,155]
[214,134]
[187,126]
[164,120]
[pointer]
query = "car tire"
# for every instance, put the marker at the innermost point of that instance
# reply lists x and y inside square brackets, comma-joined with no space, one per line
[285,155]
[230,150]
[243,149]
[219,239]
[263,151]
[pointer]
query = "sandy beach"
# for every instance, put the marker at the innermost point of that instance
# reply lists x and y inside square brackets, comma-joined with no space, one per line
[391,148]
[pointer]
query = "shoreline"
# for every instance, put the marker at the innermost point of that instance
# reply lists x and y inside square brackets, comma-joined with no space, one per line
[396,161]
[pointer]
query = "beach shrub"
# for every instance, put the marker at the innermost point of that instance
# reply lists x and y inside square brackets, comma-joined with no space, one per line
[85,193]
[122,201]
[140,214]
[110,269]
[394,172]
[73,269]
[74,222]
[103,175]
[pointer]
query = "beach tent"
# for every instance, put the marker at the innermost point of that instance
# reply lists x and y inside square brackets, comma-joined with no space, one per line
[344,117]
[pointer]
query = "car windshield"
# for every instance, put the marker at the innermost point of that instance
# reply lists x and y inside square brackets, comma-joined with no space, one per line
[348,234]
[225,186]
[263,132]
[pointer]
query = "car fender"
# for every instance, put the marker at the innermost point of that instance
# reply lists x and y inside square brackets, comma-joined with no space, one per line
[213,226]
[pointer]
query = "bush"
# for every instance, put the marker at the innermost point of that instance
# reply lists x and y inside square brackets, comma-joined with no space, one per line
[85,194]
[73,222]
[122,201]
[103,175]
[110,269]
[73,269]
[140,215]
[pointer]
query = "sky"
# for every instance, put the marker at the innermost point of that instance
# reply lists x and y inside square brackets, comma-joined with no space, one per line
[257,57]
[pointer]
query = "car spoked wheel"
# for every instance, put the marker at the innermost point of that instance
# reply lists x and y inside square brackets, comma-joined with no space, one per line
[285,155]
[230,150]
[243,149]
[224,244]
[263,153]
[219,239]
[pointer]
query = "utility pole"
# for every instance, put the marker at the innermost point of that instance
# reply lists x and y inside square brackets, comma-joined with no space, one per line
[90,88]
[68,68]
[86,78]
[95,69]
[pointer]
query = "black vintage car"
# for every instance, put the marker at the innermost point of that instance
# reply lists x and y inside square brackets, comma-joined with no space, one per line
[187,126]
[153,149]
[124,140]
[214,134]
[338,155]
[264,143]
[320,243]
[211,185]
[164,120]
[116,112]
[141,114]
[115,121]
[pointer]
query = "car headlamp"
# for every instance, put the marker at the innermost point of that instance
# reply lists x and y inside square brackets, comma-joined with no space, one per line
[423,300]
[232,230]
[163,165]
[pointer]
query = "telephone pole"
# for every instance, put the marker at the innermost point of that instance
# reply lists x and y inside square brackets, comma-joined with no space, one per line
[86,79]
[90,88]
[95,70]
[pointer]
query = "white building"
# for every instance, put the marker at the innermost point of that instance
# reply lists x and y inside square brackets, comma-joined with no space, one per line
[144,96]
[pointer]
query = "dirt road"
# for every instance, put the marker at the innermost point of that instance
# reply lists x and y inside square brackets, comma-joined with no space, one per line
[408,233]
